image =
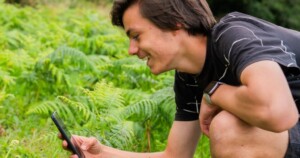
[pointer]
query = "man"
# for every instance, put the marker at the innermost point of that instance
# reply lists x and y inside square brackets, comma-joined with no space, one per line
[238,76]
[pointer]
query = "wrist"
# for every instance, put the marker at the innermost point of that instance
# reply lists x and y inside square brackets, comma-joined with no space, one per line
[210,90]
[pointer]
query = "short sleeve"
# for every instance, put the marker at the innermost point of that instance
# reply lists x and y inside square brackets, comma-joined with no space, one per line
[243,41]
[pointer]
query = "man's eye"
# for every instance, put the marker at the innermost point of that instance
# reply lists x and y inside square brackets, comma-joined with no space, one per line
[135,37]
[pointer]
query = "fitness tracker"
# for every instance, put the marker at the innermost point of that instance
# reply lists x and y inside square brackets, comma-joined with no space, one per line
[210,89]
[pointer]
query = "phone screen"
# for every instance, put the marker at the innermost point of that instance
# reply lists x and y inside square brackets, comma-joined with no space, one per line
[65,133]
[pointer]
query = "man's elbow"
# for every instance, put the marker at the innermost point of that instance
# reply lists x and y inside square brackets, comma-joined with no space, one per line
[281,121]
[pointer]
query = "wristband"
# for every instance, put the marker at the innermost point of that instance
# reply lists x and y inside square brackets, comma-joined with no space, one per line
[209,90]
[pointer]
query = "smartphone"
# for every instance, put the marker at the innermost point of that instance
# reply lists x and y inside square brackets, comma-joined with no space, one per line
[65,134]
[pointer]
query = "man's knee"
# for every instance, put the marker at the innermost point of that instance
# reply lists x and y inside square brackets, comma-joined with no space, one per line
[232,137]
[227,124]
[224,129]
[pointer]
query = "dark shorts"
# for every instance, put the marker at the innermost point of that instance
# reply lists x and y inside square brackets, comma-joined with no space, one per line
[293,150]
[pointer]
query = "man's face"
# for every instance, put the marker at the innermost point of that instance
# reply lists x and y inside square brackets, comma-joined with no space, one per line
[148,42]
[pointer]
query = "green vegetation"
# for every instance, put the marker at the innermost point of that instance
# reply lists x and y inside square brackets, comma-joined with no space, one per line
[73,61]
[282,12]
[67,57]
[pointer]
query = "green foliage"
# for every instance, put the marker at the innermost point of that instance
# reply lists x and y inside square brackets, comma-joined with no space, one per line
[70,59]
[104,113]
[281,12]
[73,61]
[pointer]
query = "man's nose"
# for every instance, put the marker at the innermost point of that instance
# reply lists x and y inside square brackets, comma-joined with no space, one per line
[133,48]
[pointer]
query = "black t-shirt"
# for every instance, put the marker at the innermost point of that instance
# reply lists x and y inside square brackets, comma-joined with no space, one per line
[237,41]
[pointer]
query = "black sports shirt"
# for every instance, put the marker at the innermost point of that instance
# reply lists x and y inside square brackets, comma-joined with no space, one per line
[237,41]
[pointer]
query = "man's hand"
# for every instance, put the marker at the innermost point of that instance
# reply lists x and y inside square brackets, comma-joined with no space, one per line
[90,147]
[207,113]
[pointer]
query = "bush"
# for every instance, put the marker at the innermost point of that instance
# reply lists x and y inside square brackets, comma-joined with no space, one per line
[22,2]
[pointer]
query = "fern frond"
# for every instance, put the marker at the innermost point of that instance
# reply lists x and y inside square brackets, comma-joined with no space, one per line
[133,95]
[6,79]
[144,109]
[45,107]
[106,95]
[66,56]
[77,106]
[122,135]
[165,95]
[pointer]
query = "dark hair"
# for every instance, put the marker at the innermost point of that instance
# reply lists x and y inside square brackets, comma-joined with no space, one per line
[194,16]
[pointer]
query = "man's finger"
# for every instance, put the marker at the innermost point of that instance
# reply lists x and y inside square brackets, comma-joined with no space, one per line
[65,145]
[59,136]
[74,156]
[204,129]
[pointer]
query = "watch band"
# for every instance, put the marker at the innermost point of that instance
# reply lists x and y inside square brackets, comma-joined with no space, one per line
[210,89]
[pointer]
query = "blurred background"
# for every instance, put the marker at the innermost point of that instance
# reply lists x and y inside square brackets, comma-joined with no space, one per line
[282,12]
[65,56]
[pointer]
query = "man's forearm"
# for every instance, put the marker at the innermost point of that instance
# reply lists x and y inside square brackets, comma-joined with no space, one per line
[182,142]
[108,152]
[243,103]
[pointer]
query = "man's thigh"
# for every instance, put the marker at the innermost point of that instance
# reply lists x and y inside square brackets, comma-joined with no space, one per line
[231,137]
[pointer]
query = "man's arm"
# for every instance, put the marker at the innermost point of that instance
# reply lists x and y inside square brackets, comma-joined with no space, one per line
[263,100]
[182,142]
[183,139]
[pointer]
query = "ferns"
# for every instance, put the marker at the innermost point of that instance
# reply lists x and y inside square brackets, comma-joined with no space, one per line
[106,95]
[144,109]
[68,59]
[105,107]
[74,62]
[122,135]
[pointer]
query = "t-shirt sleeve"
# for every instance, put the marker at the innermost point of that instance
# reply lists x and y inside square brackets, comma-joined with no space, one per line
[188,97]
[240,44]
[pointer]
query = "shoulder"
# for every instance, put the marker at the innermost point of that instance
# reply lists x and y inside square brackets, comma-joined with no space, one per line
[238,29]
[236,25]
